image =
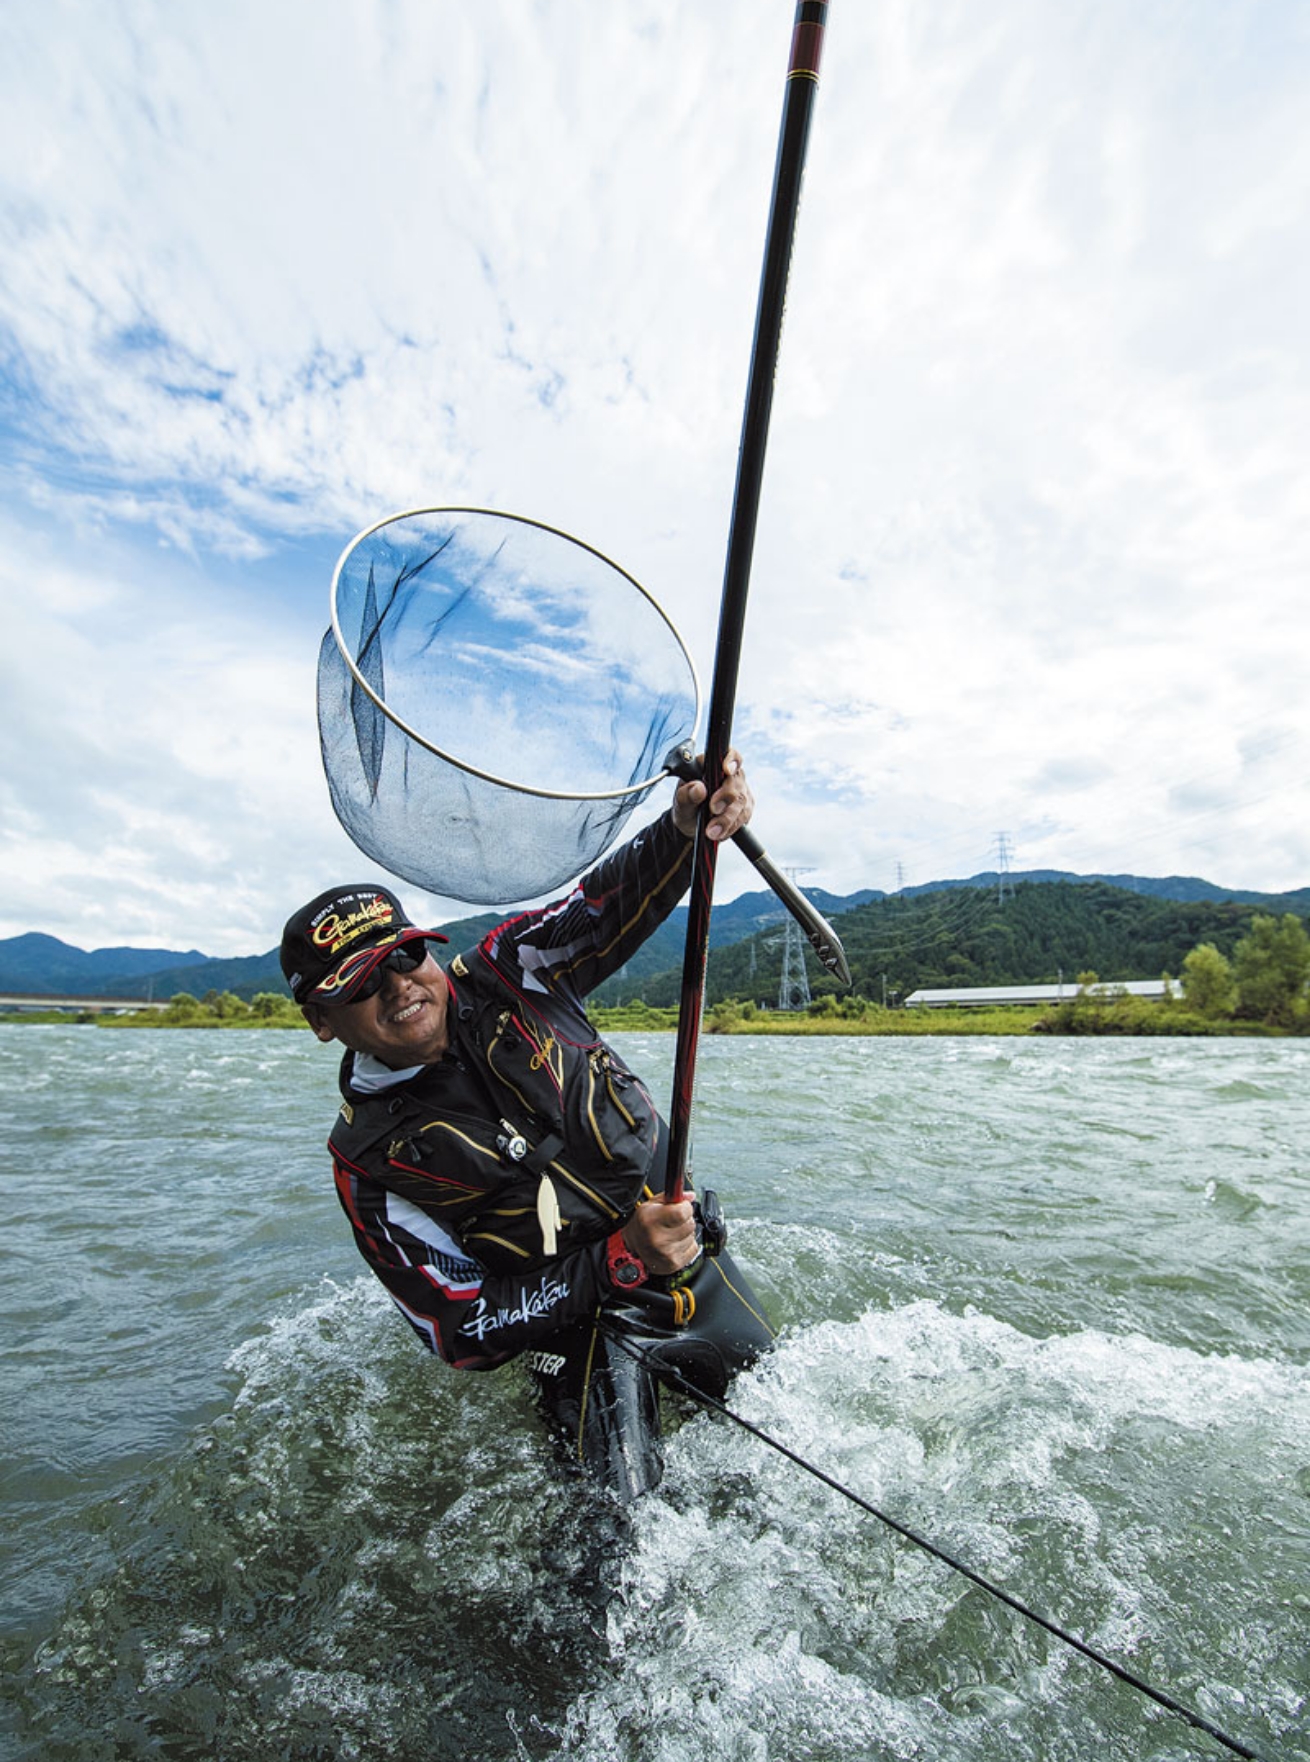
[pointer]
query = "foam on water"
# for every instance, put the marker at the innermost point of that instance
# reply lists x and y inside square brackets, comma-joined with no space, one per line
[793,1617]
[367,1556]
[1063,1297]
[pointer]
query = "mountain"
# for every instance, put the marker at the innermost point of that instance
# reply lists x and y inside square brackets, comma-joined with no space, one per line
[1180,887]
[246,975]
[43,966]
[46,966]
[961,936]
[1123,926]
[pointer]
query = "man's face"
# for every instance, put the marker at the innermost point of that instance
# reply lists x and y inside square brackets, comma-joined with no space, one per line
[403,1023]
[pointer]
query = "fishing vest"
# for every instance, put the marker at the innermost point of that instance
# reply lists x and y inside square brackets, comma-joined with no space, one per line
[529,1139]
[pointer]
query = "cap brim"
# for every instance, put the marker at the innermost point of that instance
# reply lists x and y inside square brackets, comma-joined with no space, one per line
[342,984]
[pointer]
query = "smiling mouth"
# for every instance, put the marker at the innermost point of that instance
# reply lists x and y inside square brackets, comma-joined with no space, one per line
[409,1011]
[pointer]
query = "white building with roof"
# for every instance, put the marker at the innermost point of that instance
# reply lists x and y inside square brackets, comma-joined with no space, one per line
[994,996]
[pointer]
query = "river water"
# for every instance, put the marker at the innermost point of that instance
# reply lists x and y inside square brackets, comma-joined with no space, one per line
[1046,1303]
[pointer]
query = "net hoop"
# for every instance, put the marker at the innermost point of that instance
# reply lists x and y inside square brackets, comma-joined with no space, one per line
[633,789]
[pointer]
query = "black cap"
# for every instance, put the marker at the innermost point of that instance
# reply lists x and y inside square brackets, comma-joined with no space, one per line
[331,945]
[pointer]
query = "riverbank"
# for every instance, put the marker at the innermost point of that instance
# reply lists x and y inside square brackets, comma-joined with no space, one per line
[1079,1015]
[1116,1017]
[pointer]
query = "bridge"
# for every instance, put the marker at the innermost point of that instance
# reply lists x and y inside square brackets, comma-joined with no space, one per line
[28,1000]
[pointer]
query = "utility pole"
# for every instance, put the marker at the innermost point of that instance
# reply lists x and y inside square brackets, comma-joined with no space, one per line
[1004,851]
[794,987]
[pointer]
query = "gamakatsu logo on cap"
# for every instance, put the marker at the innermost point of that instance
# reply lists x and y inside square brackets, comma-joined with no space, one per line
[338,931]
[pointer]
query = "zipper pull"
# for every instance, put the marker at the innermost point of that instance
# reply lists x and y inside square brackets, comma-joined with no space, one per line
[548,1214]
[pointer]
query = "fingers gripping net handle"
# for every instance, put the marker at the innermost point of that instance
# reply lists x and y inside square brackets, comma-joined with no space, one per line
[494,699]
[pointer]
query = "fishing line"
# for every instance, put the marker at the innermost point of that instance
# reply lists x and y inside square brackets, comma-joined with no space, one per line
[932,923]
[666,1373]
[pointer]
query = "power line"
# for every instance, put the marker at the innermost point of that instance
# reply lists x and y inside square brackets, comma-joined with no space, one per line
[962,909]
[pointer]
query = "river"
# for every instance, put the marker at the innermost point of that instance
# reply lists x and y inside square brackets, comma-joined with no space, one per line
[1046,1303]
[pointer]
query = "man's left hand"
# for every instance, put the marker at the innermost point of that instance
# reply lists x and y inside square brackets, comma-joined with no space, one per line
[730,807]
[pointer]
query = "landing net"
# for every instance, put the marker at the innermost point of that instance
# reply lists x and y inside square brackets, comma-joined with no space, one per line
[494,700]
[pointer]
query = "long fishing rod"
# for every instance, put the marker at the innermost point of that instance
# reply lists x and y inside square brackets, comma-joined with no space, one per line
[667,1373]
[802,82]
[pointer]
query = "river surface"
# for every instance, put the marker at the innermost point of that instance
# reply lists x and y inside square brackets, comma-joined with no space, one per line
[1046,1303]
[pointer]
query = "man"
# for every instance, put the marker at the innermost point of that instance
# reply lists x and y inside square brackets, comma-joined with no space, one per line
[498,1161]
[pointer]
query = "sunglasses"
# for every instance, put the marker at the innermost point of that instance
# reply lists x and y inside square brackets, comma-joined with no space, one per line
[400,960]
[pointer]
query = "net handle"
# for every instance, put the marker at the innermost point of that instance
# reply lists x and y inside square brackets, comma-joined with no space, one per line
[463,764]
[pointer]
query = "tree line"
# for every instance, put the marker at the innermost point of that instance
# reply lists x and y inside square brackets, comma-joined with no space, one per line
[1041,933]
[1265,981]
[1264,988]
[1246,966]
[215,1009]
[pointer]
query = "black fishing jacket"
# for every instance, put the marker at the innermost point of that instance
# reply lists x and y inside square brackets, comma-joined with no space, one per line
[486,1192]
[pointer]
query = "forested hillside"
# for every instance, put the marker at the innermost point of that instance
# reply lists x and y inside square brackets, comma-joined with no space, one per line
[946,935]
[1039,932]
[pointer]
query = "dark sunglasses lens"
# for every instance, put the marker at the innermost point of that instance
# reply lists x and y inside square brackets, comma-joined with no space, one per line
[400,960]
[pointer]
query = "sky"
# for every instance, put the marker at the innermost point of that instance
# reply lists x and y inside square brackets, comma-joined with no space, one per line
[1035,536]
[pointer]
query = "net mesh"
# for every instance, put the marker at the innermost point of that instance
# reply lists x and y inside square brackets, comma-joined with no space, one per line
[524,692]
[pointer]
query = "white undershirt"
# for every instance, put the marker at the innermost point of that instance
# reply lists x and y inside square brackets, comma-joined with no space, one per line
[370,1075]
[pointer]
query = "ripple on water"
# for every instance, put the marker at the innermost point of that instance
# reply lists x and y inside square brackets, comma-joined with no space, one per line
[1233,1201]
[270,1591]
[1046,1361]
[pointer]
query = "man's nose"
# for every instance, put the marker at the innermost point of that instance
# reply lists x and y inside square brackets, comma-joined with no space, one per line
[393,983]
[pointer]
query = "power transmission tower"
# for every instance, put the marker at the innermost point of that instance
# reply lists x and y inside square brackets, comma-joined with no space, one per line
[1004,851]
[794,988]
[900,877]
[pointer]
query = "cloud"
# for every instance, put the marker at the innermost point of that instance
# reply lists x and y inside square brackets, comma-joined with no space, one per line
[1035,530]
